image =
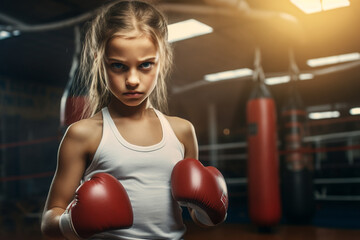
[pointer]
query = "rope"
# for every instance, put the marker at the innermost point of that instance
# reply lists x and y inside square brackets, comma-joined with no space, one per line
[27,143]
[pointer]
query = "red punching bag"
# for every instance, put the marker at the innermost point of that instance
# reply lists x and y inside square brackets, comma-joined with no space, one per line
[263,163]
[73,100]
[72,110]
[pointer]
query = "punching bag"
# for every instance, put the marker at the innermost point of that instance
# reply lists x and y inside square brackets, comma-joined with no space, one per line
[263,163]
[73,99]
[297,165]
[72,109]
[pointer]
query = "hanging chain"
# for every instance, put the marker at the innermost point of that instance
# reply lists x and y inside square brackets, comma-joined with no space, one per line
[258,74]
[293,68]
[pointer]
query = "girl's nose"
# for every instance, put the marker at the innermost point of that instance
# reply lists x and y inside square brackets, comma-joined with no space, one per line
[132,79]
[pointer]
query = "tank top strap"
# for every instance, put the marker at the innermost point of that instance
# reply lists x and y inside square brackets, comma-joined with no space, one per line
[168,131]
[106,115]
[106,121]
[106,132]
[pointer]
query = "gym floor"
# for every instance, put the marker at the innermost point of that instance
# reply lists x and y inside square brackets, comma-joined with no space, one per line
[286,232]
[236,232]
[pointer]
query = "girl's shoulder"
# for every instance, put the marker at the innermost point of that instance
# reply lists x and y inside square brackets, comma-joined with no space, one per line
[185,132]
[86,129]
[180,126]
[81,139]
[178,122]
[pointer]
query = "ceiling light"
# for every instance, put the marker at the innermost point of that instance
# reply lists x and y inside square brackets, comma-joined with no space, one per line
[7,34]
[4,34]
[332,4]
[16,33]
[277,80]
[313,6]
[333,59]
[187,29]
[306,76]
[285,79]
[308,6]
[323,115]
[243,72]
[355,111]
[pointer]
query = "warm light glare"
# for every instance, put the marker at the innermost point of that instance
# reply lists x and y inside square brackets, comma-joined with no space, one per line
[323,115]
[187,29]
[316,62]
[243,72]
[355,111]
[313,6]
[226,131]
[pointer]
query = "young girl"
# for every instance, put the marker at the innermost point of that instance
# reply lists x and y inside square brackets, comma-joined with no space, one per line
[126,56]
[125,60]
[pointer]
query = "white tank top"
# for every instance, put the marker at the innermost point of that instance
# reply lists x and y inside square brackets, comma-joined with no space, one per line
[145,172]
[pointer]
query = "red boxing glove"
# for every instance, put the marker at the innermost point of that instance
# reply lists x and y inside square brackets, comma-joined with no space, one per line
[100,204]
[201,188]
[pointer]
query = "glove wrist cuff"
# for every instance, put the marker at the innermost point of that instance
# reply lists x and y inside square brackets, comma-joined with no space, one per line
[67,227]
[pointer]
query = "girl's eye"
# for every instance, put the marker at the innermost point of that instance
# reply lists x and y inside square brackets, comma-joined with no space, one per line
[146,65]
[118,66]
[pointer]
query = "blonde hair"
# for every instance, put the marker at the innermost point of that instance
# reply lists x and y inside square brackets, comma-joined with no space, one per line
[122,17]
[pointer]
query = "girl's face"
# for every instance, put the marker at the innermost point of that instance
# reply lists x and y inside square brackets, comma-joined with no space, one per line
[132,66]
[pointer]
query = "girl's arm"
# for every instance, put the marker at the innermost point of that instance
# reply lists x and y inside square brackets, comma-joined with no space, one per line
[188,138]
[185,132]
[72,155]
